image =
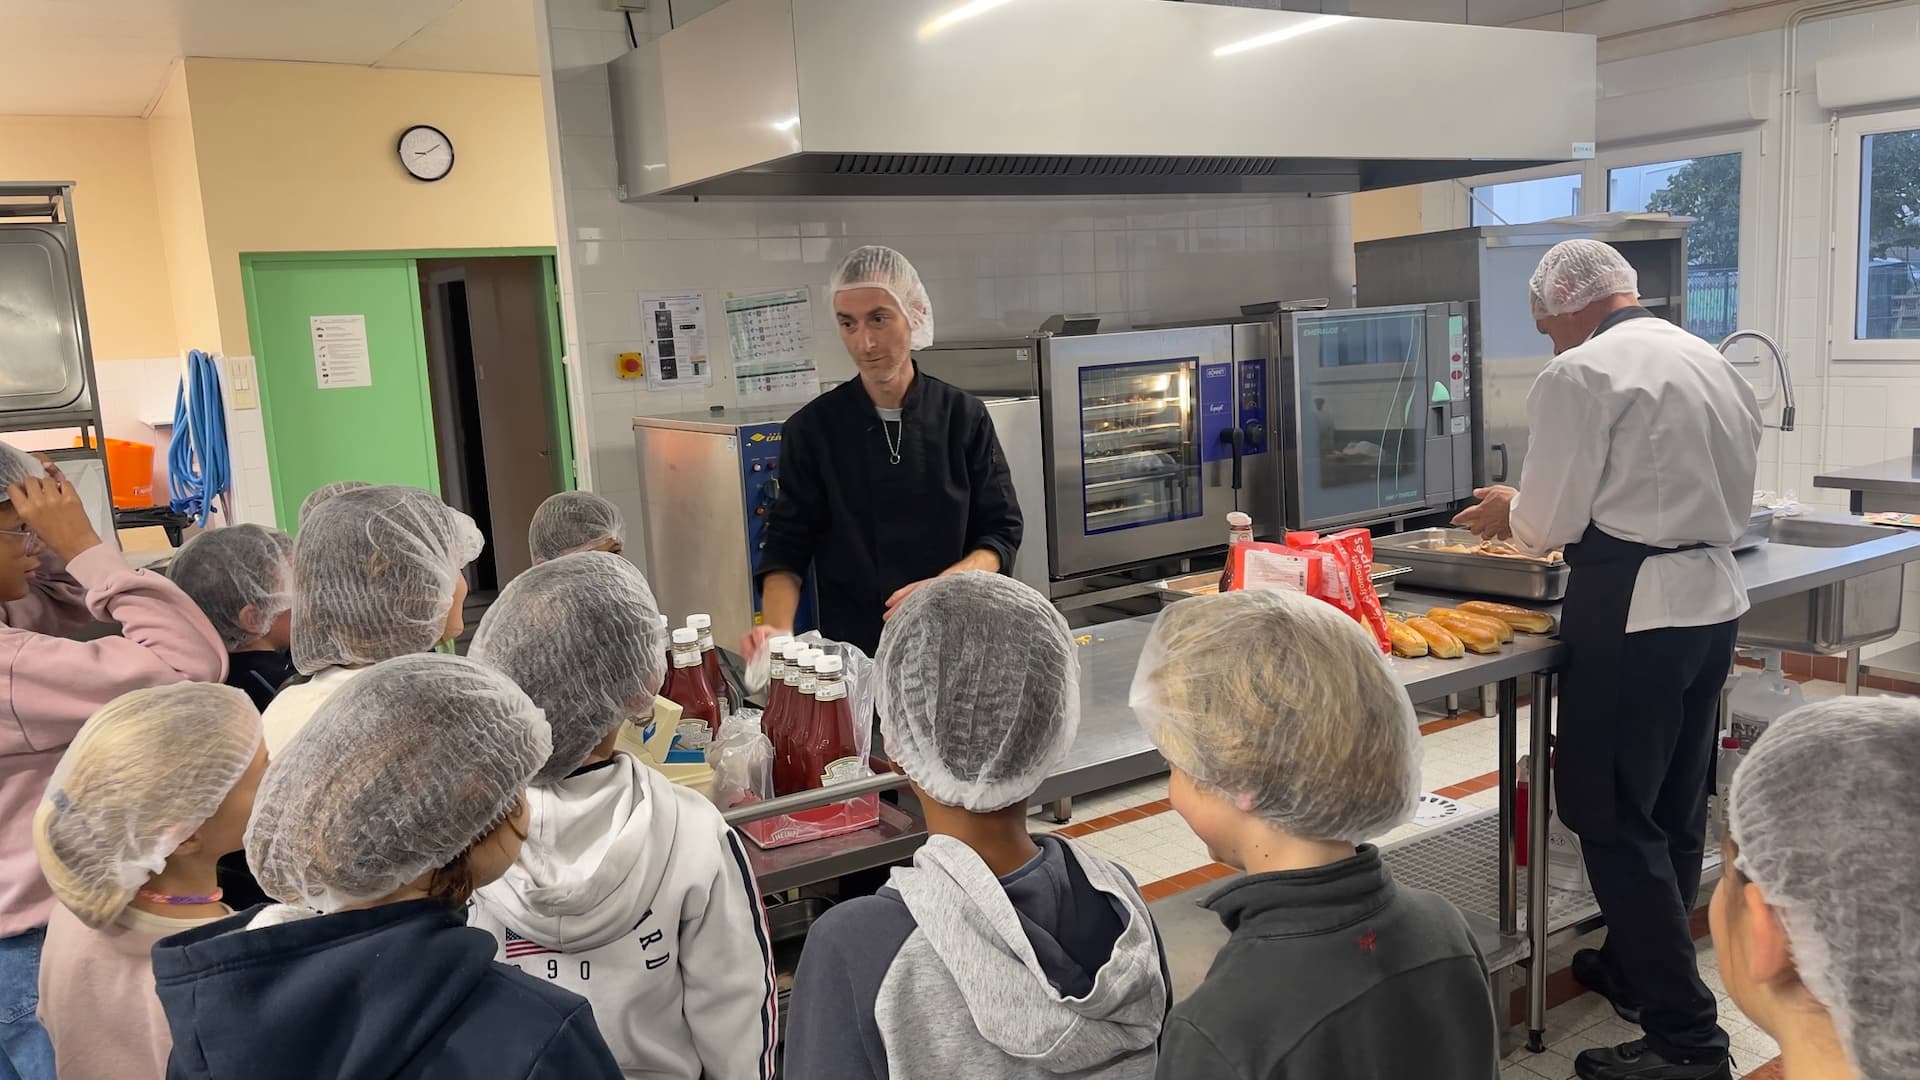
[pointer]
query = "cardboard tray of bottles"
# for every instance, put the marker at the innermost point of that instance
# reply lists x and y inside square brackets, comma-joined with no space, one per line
[834,819]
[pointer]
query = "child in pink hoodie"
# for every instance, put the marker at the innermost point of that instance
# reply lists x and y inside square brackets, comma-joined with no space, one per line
[49,686]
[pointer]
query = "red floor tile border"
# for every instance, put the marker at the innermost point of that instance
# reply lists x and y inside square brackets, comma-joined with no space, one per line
[1772,1070]
[1473,786]
[1448,723]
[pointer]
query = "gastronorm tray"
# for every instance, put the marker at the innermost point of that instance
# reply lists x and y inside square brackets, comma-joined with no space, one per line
[1383,576]
[1487,575]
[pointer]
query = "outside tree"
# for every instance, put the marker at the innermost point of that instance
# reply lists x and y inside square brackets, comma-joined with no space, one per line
[1894,206]
[1706,188]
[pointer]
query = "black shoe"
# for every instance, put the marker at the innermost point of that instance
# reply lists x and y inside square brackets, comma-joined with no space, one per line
[1591,970]
[1636,1061]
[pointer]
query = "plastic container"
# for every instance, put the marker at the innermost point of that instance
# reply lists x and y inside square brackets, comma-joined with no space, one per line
[688,688]
[130,468]
[1759,698]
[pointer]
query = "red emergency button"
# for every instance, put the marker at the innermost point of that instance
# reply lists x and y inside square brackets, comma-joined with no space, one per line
[1456,374]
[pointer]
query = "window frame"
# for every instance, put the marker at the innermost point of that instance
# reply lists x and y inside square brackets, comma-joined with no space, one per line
[1745,143]
[1594,173]
[1850,132]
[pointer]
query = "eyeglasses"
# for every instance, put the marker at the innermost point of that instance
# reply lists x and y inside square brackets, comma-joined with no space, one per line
[26,538]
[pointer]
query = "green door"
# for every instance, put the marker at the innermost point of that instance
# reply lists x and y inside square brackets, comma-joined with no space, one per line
[559,407]
[380,432]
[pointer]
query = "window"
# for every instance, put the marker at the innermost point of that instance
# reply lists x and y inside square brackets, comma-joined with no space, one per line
[1521,202]
[1887,266]
[1707,188]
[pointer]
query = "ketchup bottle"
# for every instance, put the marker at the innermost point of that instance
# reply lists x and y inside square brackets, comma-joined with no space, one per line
[829,754]
[688,688]
[789,764]
[776,682]
[710,660]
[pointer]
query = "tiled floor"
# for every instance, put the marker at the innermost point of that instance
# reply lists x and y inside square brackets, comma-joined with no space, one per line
[1135,826]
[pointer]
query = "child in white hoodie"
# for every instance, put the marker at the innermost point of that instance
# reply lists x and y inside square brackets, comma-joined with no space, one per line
[630,891]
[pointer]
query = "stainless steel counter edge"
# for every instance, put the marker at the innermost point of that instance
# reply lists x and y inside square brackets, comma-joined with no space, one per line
[1774,570]
[1897,476]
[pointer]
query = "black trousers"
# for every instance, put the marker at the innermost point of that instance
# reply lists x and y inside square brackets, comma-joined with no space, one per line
[1646,874]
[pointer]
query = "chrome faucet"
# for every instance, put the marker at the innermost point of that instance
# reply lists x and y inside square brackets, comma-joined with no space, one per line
[1780,364]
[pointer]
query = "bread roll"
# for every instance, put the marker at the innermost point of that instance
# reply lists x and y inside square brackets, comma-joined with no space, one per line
[1500,629]
[1473,633]
[1441,642]
[1406,640]
[1525,620]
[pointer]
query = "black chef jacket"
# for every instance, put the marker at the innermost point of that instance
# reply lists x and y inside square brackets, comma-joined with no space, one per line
[867,526]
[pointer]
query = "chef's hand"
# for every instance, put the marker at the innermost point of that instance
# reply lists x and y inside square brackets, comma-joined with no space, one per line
[900,597]
[51,508]
[1490,520]
[755,640]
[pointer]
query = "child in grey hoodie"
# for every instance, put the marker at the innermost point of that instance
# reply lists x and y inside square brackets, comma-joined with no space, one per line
[996,953]
[630,891]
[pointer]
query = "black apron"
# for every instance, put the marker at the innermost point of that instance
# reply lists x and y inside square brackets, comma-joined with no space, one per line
[1593,626]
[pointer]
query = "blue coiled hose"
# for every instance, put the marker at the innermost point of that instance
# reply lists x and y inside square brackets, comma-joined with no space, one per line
[197,467]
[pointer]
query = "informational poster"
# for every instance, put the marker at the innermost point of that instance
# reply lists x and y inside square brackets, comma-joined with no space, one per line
[340,356]
[772,338]
[675,329]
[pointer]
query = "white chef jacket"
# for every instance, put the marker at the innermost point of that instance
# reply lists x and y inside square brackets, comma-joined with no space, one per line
[1650,434]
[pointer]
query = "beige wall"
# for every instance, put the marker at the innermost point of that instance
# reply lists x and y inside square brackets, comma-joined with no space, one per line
[121,253]
[1387,212]
[300,157]
[181,217]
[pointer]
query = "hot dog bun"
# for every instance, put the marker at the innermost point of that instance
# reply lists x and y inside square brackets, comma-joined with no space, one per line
[1406,640]
[1500,629]
[1473,633]
[1522,619]
[1441,642]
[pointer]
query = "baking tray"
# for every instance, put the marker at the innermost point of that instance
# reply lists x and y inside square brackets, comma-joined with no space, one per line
[1486,575]
[1383,576]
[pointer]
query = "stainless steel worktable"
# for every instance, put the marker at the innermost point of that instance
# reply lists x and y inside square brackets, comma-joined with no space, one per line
[1887,485]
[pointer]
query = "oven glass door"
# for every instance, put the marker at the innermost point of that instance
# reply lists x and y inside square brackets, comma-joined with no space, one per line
[1139,452]
[1360,403]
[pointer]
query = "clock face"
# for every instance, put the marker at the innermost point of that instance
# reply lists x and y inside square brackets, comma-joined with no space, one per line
[426,152]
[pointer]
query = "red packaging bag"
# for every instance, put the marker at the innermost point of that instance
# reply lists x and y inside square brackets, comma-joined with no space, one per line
[1353,550]
[1260,565]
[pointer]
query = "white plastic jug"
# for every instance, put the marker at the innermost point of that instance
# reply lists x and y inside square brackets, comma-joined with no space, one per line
[1759,698]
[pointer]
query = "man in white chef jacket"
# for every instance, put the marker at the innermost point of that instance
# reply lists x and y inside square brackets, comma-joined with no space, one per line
[1640,462]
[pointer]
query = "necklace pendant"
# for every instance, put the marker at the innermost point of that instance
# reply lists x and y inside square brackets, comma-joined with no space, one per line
[894,457]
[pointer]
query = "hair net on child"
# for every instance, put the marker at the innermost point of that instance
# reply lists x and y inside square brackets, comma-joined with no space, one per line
[141,777]
[373,575]
[979,689]
[16,465]
[327,491]
[581,635]
[1282,704]
[1575,273]
[227,570]
[875,267]
[1817,810]
[573,521]
[400,772]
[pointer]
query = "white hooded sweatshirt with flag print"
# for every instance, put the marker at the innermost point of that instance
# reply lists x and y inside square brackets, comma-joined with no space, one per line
[633,893]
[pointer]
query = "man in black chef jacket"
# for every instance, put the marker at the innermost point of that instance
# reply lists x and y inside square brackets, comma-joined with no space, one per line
[1640,463]
[887,481]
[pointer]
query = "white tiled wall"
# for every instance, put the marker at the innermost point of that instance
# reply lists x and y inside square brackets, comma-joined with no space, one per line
[994,267]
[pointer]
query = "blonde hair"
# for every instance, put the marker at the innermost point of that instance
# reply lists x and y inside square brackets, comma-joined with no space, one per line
[141,777]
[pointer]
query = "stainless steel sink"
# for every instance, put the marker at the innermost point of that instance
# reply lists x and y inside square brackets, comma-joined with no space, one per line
[1832,618]
[1807,532]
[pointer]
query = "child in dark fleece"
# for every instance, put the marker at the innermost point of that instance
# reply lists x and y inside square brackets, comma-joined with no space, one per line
[1290,743]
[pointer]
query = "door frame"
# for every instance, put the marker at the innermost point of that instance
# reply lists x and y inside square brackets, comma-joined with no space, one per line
[284,512]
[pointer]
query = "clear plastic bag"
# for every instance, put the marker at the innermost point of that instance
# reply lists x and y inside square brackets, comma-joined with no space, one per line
[834,819]
[742,761]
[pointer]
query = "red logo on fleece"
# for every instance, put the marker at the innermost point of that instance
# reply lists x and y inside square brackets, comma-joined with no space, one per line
[1367,940]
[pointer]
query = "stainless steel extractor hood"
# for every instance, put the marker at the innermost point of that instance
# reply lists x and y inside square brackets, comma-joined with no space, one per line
[1085,97]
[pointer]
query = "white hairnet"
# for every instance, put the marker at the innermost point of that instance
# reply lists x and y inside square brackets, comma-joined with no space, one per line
[227,570]
[1575,273]
[1279,701]
[1822,810]
[397,774]
[581,635]
[875,267]
[141,777]
[373,575]
[979,689]
[16,465]
[327,491]
[573,521]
